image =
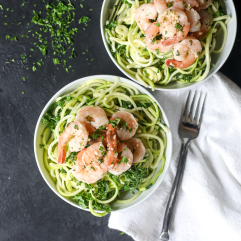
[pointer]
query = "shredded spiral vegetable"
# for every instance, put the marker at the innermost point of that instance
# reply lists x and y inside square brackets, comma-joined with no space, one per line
[111,97]
[127,44]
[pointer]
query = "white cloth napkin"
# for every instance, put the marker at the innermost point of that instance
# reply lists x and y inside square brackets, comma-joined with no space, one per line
[209,203]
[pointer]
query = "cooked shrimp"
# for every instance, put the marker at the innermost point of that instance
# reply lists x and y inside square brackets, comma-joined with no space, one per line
[92,115]
[185,53]
[174,26]
[182,5]
[143,14]
[112,156]
[87,172]
[102,138]
[203,4]
[90,165]
[79,135]
[205,25]
[124,162]
[160,5]
[127,126]
[152,43]
[194,20]
[137,148]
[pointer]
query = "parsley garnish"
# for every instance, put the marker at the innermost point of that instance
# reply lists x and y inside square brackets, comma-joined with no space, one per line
[114,122]
[84,20]
[56,61]
[170,4]
[14,38]
[124,159]
[178,26]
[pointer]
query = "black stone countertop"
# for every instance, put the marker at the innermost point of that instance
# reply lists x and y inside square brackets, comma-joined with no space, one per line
[29,210]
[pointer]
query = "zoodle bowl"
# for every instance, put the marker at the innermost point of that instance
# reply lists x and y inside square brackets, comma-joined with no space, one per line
[39,152]
[217,59]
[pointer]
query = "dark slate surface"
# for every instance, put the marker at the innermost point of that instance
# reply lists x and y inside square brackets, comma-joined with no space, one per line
[29,210]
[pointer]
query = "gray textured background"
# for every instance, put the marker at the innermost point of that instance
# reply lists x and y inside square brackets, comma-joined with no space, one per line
[29,210]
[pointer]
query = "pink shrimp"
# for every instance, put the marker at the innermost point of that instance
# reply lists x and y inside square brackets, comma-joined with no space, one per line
[182,5]
[143,14]
[203,4]
[205,25]
[111,157]
[79,135]
[194,20]
[185,53]
[127,126]
[160,5]
[137,148]
[94,116]
[124,162]
[151,42]
[174,26]
[90,165]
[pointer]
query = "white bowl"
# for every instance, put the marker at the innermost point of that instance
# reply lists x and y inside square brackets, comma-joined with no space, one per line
[217,59]
[39,151]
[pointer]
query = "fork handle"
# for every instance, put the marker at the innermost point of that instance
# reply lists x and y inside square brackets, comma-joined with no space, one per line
[174,192]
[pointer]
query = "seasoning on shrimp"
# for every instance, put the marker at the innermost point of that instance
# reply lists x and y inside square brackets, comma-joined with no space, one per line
[90,167]
[137,148]
[205,25]
[185,53]
[128,122]
[79,135]
[125,159]
[144,14]
[174,26]
[152,43]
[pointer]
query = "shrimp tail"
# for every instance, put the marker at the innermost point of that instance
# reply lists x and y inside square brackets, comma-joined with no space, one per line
[61,154]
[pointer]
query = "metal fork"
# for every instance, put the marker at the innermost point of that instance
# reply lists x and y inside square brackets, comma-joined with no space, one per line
[189,128]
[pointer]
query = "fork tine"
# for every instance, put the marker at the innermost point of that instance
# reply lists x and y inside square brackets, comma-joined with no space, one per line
[201,114]
[191,108]
[194,121]
[186,106]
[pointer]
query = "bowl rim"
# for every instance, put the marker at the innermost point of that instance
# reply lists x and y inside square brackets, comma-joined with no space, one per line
[175,89]
[57,94]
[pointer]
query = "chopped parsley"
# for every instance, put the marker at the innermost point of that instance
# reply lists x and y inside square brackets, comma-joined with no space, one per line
[124,159]
[178,26]
[56,61]
[114,122]
[84,20]
[14,38]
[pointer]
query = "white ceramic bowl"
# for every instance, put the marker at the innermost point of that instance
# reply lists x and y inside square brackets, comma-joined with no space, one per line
[217,59]
[39,151]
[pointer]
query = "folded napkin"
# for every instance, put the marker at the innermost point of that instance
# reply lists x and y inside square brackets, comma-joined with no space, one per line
[209,202]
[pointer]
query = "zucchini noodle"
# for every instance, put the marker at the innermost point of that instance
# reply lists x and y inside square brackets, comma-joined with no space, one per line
[111,97]
[127,44]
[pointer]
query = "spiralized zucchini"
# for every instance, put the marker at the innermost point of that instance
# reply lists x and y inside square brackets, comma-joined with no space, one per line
[127,44]
[111,97]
